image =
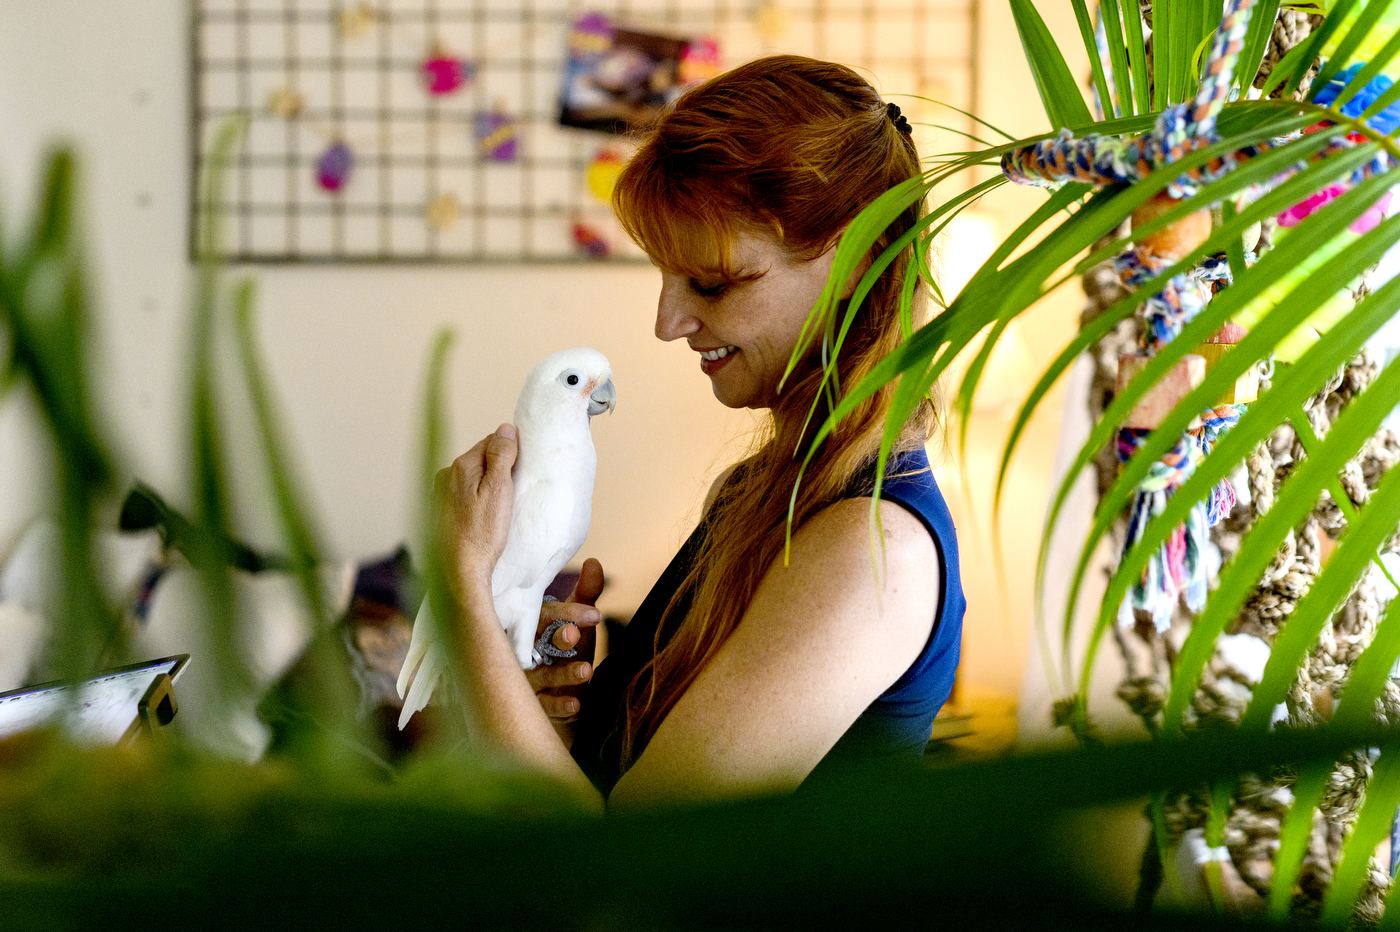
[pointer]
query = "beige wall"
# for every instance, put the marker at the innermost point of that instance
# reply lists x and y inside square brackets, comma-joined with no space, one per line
[347,345]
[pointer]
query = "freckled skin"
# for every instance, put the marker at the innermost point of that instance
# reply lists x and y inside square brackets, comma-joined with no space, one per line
[763,317]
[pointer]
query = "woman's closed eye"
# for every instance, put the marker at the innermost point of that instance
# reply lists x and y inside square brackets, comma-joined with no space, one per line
[708,289]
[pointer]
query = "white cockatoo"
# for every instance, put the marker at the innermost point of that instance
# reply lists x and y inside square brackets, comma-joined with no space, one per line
[553,478]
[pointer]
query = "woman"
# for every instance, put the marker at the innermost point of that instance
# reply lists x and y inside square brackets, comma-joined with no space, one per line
[741,672]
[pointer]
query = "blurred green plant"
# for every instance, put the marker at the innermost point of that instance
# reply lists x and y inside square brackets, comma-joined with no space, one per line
[43,310]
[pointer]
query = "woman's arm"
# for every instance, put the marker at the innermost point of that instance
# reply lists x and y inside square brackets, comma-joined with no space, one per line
[820,641]
[503,714]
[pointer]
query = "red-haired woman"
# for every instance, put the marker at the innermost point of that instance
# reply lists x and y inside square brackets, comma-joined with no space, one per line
[741,674]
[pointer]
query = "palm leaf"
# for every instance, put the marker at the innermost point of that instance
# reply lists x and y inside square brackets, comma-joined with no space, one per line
[1256,43]
[301,540]
[1137,54]
[1268,163]
[1370,15]
[1294,66]
[1372,670]
[1259,547]
[1059,92]
[434,443]
[1086,33]
[1373,825]
[43,300]
[211,538]
[1228,302]
[1368,71]
[1189,23]
[326,705]
[971,116]
[1118,55]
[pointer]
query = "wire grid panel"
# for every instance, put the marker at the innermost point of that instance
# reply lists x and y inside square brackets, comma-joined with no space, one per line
[419,189]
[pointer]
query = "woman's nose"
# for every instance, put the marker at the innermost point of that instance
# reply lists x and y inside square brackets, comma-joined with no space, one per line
[673,318]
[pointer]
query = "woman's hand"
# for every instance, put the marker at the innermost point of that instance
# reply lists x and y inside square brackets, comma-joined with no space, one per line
[558,687]
[474,500]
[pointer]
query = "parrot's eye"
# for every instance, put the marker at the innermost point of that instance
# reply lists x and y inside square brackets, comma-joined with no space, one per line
[573,380]
[571,377]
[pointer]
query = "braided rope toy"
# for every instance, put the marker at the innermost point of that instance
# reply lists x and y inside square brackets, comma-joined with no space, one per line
[1179,567]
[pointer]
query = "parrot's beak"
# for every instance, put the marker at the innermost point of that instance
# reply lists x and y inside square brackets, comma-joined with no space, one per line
[604,398]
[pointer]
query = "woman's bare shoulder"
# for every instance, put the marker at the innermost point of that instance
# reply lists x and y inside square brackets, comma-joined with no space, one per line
[844,530]
[718,484]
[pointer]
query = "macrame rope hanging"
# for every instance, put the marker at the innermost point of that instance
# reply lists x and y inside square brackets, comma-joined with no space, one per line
[1179,567]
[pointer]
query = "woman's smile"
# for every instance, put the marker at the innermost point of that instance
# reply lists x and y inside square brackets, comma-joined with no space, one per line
[713,360]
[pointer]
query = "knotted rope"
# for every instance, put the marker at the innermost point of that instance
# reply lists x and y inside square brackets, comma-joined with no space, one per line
[1178,568]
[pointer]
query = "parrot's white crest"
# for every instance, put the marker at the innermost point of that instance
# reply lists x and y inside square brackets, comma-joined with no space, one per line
[553,477]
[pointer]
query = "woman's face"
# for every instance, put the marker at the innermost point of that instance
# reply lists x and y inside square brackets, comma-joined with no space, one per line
[744,332]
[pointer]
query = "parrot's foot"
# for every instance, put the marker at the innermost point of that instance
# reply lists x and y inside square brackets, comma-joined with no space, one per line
[544,651]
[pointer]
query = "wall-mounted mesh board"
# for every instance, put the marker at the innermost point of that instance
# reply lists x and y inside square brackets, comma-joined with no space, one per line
[419,189]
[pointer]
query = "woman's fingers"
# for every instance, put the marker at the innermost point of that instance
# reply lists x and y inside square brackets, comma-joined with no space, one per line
[560,708]
[560,676]
[556,687]
[501,449]
[590,583]
[578,620]
[474,504]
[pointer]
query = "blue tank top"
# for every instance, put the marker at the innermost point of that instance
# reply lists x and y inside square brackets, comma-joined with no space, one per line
[896,725]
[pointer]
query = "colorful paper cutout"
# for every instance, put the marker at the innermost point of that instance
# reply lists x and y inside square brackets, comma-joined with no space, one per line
[356,21]
[771,20]
[601,175]
[333,167]
[700,61]
[591,241]
[497,135]
[285,103]
[446,74]
[444,211]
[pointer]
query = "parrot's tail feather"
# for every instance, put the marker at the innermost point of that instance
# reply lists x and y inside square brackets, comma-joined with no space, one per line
[417,648]
[423,685]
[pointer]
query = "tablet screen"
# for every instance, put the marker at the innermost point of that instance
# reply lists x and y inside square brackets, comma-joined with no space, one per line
[102,710]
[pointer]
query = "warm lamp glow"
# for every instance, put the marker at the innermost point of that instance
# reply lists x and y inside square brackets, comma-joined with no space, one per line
[962,248]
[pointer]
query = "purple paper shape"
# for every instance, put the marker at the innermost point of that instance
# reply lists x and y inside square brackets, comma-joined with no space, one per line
[497,136]
[333,167]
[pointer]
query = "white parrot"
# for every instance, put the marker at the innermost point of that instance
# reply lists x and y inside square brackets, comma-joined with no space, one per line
[553,477]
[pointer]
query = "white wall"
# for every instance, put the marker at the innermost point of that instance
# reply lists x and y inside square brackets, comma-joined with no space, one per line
[346,345]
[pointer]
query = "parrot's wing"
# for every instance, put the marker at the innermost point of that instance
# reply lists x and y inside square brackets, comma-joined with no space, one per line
[543,536]
[541,525]
[423,666]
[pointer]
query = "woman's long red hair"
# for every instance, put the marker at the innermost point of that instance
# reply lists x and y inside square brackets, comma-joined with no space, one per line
[791,148]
